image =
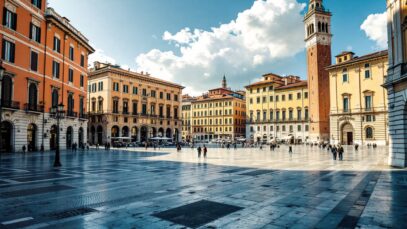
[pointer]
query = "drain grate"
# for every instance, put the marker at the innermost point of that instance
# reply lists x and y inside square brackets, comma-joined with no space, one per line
[71,213]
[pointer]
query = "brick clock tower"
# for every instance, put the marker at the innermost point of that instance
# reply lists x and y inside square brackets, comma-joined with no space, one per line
[318,43]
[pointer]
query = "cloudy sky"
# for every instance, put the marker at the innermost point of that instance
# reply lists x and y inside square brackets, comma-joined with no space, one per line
[195,42]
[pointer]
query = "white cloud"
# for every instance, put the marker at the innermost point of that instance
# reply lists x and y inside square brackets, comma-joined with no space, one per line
[375,27]
[270,31]
[99,55]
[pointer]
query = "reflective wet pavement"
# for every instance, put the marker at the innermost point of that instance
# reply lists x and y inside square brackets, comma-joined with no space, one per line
[243,188]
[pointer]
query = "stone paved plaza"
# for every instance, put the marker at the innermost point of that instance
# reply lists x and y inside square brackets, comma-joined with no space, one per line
[243,188]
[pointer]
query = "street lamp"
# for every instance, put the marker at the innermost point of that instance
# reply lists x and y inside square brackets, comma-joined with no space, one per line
[58,113]
[2,70]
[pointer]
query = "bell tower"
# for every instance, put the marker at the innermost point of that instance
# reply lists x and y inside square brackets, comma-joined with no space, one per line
[318,37]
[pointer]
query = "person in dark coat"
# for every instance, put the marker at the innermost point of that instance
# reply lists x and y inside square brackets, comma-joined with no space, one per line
[334,152]
[340,152]
[199,151]
[290,149]
[205,150]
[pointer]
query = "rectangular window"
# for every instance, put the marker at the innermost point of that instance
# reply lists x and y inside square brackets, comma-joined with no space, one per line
[298,115]
[55,69]
[37,3]
[290,96]
[81,81]
[367,71]
[176,98]
[35,33]
[135,90]
[100,86]
[71,53]
[34,61]
[271,98]
[306,115]
[161,95]
[264,99]
[9,19]
[125,88]
[168,96]
[82,60]
[70,75]
[115,86]
[153,93]
[368,102]
[57,45]
[305,95]
[135,108]
[298,95]
[144,92]
[345,104]
[277,98]
[8,51]
[306,128]
[299,128]
[345,75]
[144,109]
[94,87]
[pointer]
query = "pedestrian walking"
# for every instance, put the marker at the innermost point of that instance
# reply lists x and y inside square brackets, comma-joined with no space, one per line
[290,149]
[340,152]
[205,150]
[334,152]
[199,151]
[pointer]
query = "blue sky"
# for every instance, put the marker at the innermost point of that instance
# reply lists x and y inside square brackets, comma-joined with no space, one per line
[123,30]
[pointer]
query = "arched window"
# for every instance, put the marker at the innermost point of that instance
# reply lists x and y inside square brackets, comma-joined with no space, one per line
[312,28]
[7,90]
[319,27]
[369,133]
[32,96]
[326,28]
[323,27]
[55,98]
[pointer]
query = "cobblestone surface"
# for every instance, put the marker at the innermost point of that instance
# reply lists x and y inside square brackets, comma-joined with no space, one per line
[266,189]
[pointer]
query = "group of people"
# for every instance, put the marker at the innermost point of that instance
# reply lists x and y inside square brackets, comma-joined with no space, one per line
[205,151]
[337,151]
[107,146]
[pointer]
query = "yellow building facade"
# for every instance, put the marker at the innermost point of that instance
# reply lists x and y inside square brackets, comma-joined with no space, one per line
[129,106]
[186,115]
[359,111]
[219,114]
[277,109]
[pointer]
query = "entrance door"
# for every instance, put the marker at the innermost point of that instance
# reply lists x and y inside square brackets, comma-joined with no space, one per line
[31,138]
[69,138]
[350,138]
[347,134]
[53,137]
[6,130]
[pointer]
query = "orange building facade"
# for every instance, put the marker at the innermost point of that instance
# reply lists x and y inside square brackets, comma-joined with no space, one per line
[45,60]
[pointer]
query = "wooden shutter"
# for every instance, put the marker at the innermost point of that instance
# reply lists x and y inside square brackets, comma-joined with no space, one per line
[4,15]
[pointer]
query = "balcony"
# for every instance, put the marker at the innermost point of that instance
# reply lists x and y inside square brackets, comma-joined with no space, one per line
[125,112]
[83,116]
[404,69]
[71,114]
[9,104]
[134,113]
[34,108]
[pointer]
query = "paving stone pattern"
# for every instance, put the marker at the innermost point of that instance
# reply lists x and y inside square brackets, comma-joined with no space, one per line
[243,188]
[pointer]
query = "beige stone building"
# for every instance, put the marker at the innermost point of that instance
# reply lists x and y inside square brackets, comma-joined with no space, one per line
[187,117]
[359,112]
[219,114]
[277,109]
[396,83]
[130,106]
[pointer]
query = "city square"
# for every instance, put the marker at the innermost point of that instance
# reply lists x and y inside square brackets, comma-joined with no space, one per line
[203,114]
[242,188]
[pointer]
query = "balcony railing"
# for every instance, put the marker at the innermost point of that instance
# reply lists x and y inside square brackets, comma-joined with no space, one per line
[125,112]
[262,121]
[83,116]
[33,108]
[72,114]
[404,69]
[10,104]
[359,111]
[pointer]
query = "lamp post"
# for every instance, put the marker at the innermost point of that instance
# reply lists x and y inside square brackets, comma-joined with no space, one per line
[58,113]
[2,70]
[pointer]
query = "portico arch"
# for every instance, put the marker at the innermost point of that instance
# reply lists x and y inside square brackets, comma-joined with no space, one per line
[347,134]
